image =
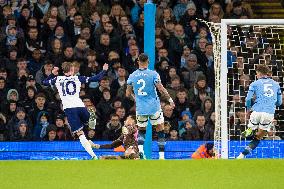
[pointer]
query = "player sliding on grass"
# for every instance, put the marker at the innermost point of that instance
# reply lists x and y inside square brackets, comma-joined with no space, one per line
[267,95]
[144,83]
[128,138]
[68,87]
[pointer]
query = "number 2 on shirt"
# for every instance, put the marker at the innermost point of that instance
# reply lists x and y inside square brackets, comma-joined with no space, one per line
[140,89]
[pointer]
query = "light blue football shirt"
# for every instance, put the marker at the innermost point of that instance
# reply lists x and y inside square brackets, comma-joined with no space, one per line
[144,83]
[268,95]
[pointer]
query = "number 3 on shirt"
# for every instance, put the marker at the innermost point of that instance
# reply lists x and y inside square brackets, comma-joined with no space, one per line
[140,89]
[268,91]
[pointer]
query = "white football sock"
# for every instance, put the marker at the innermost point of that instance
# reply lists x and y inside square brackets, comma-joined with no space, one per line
[85,143]
[141,148]
[161,155]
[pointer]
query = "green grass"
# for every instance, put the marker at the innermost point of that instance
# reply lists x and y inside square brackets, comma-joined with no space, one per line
[168,174]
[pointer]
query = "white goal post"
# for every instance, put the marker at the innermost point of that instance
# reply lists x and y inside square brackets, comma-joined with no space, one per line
[224,151]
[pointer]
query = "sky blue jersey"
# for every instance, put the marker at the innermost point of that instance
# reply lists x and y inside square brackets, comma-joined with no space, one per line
[268,95]
[144,83]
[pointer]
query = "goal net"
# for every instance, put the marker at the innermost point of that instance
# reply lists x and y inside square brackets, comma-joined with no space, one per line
[245,44]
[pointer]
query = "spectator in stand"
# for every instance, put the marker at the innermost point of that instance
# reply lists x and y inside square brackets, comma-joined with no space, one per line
[22,133]
[63,131]
[199,86]
[174,86]
[33,41]
[44,72]
[10,62]
[35,62]
[191,71]
[113,128]
[114,62]
[216,12]
[185,56]
[166,16]
[13,123]
[173,135]
[90,68]
[9,109]
[81,50]
[207,107]
[177,42]
[170,116]
[74,29]
[51,133]
[3,89]
[56,52]
[190,131]
[12,40]
[120,81]
[180,8]
[120,111]
[29,96]
[130,61]
[68,54]
[104,106]
[97,92]
[39,130]
[39,105]
[181,101]
[204,133]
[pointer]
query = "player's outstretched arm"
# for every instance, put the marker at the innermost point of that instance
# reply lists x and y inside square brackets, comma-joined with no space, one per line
[165,93]
[114,144]
[100,75]
[51,79]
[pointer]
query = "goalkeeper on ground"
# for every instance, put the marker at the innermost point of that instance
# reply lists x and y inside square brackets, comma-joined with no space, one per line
[267,96]
[204,151]
[128,138]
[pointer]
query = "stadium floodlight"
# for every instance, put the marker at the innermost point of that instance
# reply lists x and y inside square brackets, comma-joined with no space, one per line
[246,40]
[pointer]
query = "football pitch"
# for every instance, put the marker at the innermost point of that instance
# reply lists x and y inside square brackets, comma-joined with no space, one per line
[146,174]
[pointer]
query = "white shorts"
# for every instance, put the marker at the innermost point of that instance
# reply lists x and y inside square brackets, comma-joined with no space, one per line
[157,118]
[261,120]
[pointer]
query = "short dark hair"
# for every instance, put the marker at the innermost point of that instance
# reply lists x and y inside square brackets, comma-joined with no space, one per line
[40,95]
[263,69]
[113,115]
[143,58]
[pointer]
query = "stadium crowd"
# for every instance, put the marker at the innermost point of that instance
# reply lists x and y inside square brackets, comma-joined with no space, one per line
[38,35]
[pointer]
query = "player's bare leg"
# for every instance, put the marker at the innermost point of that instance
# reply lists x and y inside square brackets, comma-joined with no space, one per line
[85,143]
[253,144]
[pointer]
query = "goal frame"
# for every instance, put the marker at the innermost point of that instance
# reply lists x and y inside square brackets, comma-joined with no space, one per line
[224,72]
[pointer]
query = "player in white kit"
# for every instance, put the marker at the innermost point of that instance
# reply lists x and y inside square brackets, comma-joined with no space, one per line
[68,87]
